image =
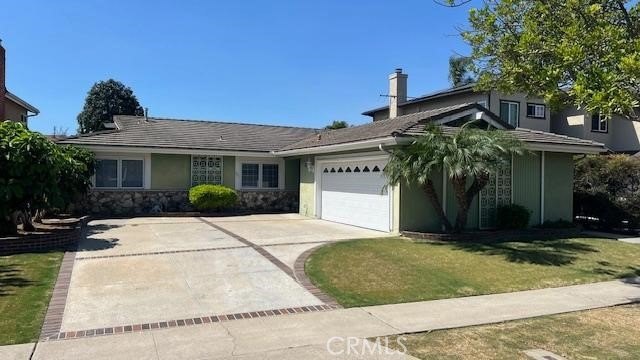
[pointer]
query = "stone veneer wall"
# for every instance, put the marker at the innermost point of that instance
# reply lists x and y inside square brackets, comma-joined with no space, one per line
[135,202]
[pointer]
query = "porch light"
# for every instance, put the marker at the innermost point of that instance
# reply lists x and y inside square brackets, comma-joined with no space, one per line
[309,165]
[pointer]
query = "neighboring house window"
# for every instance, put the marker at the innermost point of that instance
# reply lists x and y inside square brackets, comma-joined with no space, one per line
[599,123]
[260,176]
[510,112]
[119,173]
[536,111]
[206,170]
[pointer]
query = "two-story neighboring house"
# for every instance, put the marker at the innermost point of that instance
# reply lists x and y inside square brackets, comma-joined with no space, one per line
[517,110]
[619,134]
[12,107]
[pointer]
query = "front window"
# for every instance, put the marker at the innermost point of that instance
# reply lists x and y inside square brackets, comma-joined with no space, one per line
[106,173]
[536,111]
[599,123]
[269,175]
[119,173]
[132,173]
[260,176]
[250,175]
[510,112]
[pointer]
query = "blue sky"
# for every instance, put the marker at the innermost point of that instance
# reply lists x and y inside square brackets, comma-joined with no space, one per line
[301,63]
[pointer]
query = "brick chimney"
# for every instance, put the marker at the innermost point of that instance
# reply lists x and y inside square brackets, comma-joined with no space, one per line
[3,88]
[397,92]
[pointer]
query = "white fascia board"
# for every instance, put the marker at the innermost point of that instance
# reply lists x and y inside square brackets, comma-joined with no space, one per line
[573,149]
[146,150]
[478,115]
[356,145]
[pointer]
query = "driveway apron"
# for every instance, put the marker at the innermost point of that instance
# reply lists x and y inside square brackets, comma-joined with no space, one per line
[149,270]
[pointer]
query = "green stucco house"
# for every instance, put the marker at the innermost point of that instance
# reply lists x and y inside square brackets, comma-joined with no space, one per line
[148,164]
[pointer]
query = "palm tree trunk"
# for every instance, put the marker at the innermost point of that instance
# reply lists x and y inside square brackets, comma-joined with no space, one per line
[430,190]
[460,189]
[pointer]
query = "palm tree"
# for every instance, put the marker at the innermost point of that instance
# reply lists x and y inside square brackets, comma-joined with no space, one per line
[469,156]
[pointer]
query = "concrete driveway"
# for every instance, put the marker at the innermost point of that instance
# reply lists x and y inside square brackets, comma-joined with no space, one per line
[145,270]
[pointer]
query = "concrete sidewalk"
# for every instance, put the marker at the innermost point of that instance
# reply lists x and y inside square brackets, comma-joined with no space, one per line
[632,239]
[305,336]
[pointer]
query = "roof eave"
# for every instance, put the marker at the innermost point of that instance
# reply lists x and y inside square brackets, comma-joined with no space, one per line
[354,145]
[22,103]
[444,93]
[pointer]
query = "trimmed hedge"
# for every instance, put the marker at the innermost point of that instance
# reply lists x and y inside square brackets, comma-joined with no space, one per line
[208,197]
[512,216]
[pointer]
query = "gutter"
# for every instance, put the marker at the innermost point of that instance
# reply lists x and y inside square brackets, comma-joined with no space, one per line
[357,145]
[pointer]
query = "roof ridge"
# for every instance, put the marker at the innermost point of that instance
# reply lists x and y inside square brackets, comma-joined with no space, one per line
[216,122]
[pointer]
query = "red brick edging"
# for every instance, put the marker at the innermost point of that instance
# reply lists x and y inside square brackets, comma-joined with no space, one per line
[158,253]
[183,322]
[303,279]
[275,261]
[55,310]
[60,239]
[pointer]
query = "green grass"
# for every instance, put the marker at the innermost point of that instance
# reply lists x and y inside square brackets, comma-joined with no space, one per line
[610,333]
[395,270]
[26,283]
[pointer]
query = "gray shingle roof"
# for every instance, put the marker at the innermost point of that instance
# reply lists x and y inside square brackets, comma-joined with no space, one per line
[525,135]
[414,125]
[133,131]
[433,95]
[374,130]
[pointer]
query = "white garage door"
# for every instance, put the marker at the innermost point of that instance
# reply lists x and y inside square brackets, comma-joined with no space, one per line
[354,193]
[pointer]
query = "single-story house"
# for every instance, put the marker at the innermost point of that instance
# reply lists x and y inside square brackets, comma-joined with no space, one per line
[337,175]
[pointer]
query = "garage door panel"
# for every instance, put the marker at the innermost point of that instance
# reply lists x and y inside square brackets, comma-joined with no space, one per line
[356,193]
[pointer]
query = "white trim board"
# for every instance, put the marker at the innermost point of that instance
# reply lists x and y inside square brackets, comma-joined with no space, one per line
[145,150]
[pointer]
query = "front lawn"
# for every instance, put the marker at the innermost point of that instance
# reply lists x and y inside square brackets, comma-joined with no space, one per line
[26,283]
[395,270]
[610,333]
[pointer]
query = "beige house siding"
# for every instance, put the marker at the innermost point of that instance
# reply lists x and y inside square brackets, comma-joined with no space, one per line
[622,134]
[14,112]
[523,100]
[444,102]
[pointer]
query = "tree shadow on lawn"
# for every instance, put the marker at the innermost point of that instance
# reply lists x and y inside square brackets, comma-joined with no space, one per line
[11,276]
[539,252]
[91,243]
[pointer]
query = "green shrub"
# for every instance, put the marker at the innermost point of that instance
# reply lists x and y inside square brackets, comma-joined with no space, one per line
[512,216]
[38,175]
[212,197]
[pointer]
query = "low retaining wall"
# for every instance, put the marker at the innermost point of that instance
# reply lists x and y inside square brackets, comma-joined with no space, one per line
[497,235]
[58,240]
[139,202]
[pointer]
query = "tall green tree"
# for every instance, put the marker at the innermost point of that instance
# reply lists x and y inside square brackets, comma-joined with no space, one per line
[580,52]
[461,71]
[337,124]
[105,99]
[469,157]
[37,174]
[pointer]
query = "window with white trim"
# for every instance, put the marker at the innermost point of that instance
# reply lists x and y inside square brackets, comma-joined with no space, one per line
[114,173]
[260,175]
[599,123]
[536,111]
[206,170]
[510,112]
